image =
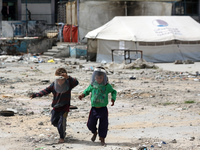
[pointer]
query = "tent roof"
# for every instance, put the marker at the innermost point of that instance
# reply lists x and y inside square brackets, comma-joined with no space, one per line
[148,29]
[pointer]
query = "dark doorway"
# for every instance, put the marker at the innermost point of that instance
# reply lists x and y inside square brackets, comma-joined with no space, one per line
[9,10]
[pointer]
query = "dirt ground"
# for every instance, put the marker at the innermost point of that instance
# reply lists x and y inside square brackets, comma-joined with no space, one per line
[155,108]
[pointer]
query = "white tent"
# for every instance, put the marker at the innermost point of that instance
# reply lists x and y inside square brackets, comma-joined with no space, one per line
[161,38]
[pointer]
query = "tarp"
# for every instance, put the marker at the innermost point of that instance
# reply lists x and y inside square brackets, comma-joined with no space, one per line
[148,29]
[161,38]
[70,33]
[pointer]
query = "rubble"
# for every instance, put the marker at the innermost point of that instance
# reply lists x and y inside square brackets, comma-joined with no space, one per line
[150,111]
[139,64]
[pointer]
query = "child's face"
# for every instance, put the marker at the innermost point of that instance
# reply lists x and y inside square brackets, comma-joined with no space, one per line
[99,79]
[60,81]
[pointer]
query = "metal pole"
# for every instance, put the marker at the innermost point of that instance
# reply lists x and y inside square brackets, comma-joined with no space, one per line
[26,21]
[78,19]
[125,6]
[199,10]
[1,20]
[185,11]
[71,22]
[112,54]
[26,27]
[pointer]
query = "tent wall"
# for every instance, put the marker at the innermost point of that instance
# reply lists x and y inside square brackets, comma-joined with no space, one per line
[91,50]
[162,53]
[104,48]
[191,51]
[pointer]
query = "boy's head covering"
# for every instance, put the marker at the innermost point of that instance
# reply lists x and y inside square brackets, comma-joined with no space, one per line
[59,77]
[61,88]
[99,71]
[64,87]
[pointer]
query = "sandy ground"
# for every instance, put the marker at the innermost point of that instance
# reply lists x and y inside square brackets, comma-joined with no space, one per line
[159,110]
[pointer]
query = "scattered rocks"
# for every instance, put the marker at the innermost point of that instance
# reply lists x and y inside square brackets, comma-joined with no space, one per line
[192,138]
[174,141]
[150,103]
[40,123]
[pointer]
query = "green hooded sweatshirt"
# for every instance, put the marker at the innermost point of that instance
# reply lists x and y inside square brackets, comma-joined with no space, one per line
[99,96]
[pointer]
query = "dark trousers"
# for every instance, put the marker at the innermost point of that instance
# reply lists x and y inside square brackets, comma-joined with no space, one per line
[102,115]
[58,119]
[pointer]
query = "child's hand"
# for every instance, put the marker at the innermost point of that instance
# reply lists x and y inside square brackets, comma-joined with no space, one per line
[81,96]
[32,96]
[65,75]
[113,102]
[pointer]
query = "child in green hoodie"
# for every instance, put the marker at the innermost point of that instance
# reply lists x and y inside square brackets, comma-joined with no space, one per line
[99,88]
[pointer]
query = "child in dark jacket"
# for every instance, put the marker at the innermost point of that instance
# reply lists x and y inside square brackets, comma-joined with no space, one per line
[99,88]
[61,89]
